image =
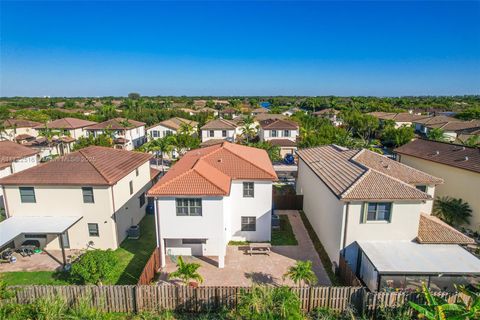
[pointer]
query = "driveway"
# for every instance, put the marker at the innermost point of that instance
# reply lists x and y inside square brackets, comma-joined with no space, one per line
[242,269]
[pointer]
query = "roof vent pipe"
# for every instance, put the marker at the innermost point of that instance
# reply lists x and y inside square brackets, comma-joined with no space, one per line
[437,152]
[466,158]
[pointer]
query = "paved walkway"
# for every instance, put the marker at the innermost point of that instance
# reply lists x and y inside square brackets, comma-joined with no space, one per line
[242,269]
[305,249]
[45,261]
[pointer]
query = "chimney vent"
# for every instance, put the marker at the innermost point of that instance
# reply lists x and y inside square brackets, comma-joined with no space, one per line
[466,158]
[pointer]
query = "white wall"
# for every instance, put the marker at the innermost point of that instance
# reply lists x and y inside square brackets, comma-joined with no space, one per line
[162,131]
[10,133]
[24,163]
[266,135]
[323,209]
[218,135]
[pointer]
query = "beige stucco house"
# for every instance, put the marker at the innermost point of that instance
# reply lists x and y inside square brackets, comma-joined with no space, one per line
[457,165]
[281,133]
[101,189]
[18,129]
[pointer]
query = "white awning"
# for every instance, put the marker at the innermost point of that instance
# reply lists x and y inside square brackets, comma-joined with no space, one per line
[404,257]
[15,226]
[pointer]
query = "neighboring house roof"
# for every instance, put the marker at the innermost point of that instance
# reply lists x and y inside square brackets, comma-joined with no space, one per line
[11,151]
[206,109]
[177,122]
[116,124]
[24,136]
[445,153]
[260,110]
[456,125]
[282,142]
[433,230]
[229,111]
[399,117]
[219,124]
[19,123]
[327,111]
[211,142]
[90,166]
[66,123]
[365,175]
[266,116]
[209,171]
[278,124]
[154,173]
[435,119]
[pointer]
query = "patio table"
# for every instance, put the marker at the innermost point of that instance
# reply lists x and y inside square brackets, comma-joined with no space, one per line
[262,248]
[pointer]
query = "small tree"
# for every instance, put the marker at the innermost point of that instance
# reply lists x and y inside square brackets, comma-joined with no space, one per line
[186,272]
[451,210]
[301,273]
[95,267]
[436,134]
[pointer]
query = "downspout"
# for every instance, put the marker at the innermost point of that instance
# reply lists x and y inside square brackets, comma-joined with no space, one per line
[345,227]
[114,216]
[5,202]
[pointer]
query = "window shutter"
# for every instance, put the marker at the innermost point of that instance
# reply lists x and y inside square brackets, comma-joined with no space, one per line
[364,212]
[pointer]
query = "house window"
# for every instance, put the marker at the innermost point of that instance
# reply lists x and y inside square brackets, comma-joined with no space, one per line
[168,132]
[194,241]
[131,187]
[136,172]
[93,230]
[88,195]
[27,195]
[274,133]
[189,207]
[35,236]
[155,133]
[378,211]
[249,223]
[211,133]
[248,189]
[286,133]
[224,133]
[422,188]
[142,199]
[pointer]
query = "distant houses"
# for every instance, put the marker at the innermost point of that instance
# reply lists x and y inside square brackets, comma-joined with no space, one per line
[171,126]
[217,130]
[18,128]
[281,133]
[128,134]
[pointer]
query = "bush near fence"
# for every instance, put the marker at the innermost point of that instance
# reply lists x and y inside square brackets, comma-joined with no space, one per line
[134,299]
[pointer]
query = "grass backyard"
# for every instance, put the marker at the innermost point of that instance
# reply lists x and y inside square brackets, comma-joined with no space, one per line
[284,236]
[132,254]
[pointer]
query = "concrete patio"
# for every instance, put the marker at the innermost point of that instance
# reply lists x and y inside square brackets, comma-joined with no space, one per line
[45,261]
[242,269]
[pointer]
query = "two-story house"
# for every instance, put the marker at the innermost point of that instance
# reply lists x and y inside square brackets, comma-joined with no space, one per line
[330,114]
[170,127]
[100,191]
[362,204]
[281,133]
[18,129]
[213,195]
[217,130]
[65,127]
[128,134]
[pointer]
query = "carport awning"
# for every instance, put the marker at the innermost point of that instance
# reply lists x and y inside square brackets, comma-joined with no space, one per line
[15,226]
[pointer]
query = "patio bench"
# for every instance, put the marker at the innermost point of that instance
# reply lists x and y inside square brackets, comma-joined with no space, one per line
[262,248]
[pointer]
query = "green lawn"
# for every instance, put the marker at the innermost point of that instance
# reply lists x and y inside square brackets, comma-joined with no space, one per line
[284,236]
[132,254]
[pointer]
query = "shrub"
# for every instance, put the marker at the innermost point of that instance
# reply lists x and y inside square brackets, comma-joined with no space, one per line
[95,267]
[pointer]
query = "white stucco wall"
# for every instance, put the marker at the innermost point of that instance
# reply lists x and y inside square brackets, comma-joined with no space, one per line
[266,135]
[162,131]
[24,163]
[323,209]
[218,135]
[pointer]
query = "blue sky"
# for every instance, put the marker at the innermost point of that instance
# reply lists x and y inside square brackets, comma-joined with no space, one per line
[239,48]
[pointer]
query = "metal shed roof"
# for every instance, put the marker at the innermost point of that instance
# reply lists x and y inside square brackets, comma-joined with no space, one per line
[405,257]
[15,226]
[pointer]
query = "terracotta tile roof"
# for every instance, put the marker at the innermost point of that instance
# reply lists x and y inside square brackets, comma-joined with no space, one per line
[116,124]
[266,116]
[441,152]
[66,123]
[260,110]
[278,124]
[219,124]
[67,139]
[283,142]
[361,174]
[206,109]
[24,136]
[177,122]
[154,173]
[456,125]
[435,119]
[209,170]
[19,123]
[433,230]
[327,111]
[399,117]
[90,166]
[395,169]
[11,151]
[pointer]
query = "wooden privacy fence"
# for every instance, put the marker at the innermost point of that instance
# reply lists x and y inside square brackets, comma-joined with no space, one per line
[167,297]
[288,202]
[151,267]
[346,273]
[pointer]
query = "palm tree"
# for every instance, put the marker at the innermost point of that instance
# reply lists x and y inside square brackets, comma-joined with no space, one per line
[451,210]
[186,272]
[301,273]
[248,128]
[163,146]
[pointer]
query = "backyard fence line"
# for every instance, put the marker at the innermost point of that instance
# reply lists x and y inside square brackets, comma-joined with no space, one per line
[346,274]
[151,268]
[131,299]
[287,202]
